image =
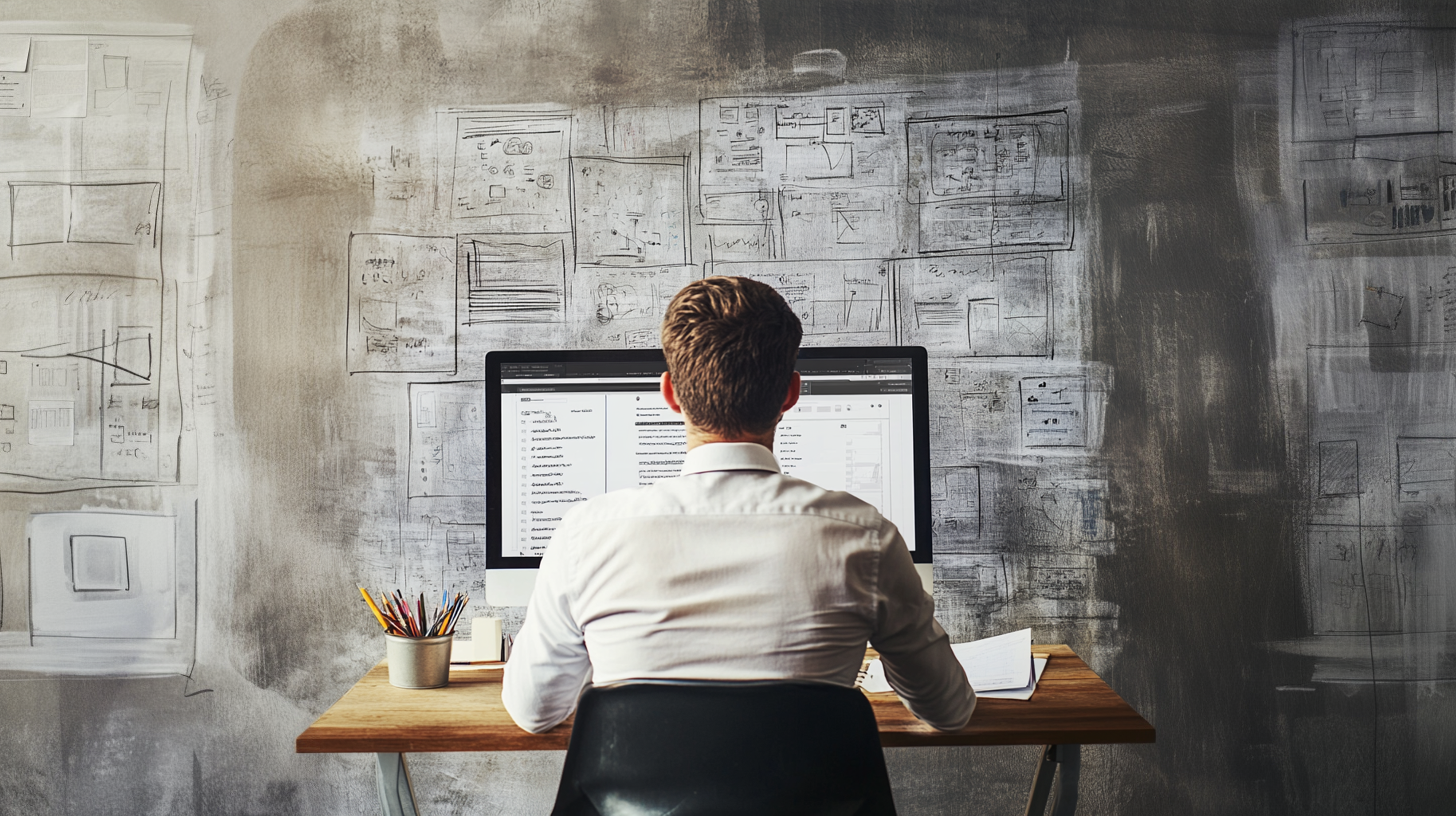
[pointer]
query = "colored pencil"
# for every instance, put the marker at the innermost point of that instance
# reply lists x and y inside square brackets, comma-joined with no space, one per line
[408,617]
[372,608]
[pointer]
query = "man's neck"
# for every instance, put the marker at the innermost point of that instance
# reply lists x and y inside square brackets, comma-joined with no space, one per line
[697,436]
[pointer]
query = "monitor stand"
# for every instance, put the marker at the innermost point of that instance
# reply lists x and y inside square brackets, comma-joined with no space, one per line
[509,587]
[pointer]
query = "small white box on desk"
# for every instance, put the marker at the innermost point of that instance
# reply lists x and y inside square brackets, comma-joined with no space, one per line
[484,645]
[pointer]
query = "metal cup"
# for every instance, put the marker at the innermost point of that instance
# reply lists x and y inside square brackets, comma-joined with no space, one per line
[418,663]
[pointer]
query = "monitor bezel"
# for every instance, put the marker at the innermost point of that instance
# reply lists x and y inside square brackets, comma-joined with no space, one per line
[920,409]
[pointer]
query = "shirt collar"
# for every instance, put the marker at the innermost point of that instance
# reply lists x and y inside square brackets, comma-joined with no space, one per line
[729,456]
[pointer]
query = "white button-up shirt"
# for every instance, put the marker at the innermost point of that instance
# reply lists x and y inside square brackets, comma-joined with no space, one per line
[730,572]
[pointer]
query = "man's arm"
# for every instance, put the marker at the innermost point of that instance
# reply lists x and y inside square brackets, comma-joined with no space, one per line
[549,666]
[914,648]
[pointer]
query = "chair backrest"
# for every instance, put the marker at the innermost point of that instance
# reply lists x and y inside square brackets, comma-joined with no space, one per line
[704,750]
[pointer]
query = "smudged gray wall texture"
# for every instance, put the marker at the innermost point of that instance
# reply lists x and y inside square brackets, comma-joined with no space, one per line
[1224,248]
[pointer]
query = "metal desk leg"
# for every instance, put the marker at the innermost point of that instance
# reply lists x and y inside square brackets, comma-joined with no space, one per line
[1054,758]
[396,794]
[1069,757]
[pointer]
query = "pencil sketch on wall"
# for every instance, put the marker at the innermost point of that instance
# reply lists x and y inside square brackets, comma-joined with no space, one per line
[882,215]
[1370,171]
[96,385]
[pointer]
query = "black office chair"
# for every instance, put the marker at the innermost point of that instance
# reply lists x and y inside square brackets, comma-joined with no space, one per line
[705,750]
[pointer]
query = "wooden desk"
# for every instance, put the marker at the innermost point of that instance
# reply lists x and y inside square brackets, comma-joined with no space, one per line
[1072,707]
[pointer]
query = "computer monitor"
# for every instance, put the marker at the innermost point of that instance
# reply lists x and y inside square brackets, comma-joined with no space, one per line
[564,426]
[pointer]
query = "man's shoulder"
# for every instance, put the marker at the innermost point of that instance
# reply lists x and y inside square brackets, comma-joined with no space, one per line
[729,493]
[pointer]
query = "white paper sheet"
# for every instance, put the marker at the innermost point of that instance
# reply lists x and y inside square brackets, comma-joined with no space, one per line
[14,52]
[1017,694]
[58,70]
[874,678]
[999,667]
[995,663]
[14,94]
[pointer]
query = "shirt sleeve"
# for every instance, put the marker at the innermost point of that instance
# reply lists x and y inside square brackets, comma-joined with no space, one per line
[913,647]
[549,666]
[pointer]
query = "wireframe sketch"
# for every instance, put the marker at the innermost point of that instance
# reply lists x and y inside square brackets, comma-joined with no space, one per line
[1382,487]
[839,302]
[88,385]
[1392,190]
[103,576]
[1056,511]
[510,169]
[820,175]
[1053,412]
[81,382]
[864,222]
[991,181]
[630,212]
[447,439]
[972,592]
[976,305]
[615,307]
[401,303]
[124,214]
[1371,133]
[985,408]
[107,228]
[110,593]
[1354,80]
[1062,577]
[956,505]
[514,278]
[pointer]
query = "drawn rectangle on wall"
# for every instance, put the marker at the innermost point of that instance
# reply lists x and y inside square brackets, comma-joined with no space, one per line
[1339,468]
[1357,585]
[622,307]
[630,212]
[1427,469]
[91,395]
[52,422]
[753,150]
[401,303]
[1356,80]
[837,301]
[1054,412]
[131,356]
[514,278]
[37,213]
[99,563]
[645,130]
[755,206]
[1375,198]
[856,223]
[447,439]
[971,585]
[91,599]
[512,169]
[975,305]
[1061,582]
[114,213]
[60,213]
[956,501]
[1393,399]
[981,182]
[59,68]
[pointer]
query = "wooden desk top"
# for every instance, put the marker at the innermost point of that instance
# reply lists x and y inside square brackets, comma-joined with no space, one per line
[1071,705]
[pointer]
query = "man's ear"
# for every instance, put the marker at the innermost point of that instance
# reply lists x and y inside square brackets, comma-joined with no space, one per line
[792,398]
[668,395]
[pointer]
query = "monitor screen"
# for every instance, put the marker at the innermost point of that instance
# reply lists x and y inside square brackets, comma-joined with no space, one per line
[564,426]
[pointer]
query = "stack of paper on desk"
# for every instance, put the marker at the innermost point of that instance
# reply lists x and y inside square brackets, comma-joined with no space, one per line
[999,667]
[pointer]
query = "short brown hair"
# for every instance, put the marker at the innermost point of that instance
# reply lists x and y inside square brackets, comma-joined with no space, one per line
[731,345]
